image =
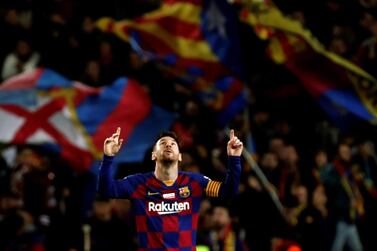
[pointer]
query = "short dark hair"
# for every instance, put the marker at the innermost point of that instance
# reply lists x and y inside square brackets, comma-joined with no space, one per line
[170,134]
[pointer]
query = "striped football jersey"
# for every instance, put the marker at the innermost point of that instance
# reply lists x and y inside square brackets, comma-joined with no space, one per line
[167,215]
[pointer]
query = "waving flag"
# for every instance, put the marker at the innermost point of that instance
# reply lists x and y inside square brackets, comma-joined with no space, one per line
[342,88]
[196,42]
[127,105]
[43,107]
[37,107]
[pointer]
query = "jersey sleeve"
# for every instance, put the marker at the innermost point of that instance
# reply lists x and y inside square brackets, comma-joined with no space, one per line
[229,186]
[109,187]
[232,179]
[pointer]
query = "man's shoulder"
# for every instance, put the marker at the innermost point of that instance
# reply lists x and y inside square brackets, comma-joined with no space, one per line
[142,177]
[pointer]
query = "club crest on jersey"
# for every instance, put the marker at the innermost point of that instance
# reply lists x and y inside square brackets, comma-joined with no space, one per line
[184,192]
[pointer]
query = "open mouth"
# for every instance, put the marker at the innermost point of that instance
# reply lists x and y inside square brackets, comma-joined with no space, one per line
[168,151]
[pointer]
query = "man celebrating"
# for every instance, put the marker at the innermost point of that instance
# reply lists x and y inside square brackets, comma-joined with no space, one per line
[166,202]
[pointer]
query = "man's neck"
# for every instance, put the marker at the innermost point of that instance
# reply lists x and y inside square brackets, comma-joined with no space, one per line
[166,172]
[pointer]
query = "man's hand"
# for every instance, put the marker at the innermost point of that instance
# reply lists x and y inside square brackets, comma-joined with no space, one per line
[112,144]
[235,146]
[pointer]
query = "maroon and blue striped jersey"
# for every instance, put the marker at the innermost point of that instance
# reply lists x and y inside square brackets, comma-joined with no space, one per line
[167,216]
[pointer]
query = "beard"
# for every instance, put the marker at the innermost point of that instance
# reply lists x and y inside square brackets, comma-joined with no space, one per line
[169,155]
[167,161]
[168,158]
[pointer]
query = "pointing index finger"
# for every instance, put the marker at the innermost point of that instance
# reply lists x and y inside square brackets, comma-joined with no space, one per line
[231,134]
[116,134]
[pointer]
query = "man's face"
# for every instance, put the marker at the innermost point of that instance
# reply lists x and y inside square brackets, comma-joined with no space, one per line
[345,152]
[221,217]
[166,149]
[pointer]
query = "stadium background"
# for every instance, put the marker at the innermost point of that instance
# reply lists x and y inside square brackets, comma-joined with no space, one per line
[293,85]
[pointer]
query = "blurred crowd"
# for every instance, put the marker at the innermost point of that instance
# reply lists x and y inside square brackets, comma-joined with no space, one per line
[321,190]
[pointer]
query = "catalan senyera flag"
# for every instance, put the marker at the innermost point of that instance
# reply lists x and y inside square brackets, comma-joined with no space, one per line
[43,107]
[343,89]
[195,41]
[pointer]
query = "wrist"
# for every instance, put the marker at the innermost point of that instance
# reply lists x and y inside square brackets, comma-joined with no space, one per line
[108,157]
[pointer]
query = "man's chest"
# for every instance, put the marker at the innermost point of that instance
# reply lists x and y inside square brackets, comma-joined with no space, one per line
[154,200]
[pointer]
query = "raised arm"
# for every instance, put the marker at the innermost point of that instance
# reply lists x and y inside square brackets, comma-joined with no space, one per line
[107,186]
[230,185]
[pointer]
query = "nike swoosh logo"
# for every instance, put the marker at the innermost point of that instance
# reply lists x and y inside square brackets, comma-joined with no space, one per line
[152,193]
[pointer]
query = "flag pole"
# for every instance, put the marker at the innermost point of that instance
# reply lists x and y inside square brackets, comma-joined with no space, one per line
[86,231]
[264,181]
